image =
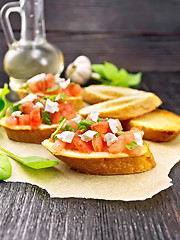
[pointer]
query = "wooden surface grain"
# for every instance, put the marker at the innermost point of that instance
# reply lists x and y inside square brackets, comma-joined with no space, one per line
[27,212]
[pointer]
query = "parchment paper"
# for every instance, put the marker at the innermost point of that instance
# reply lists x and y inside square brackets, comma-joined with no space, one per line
[62,182]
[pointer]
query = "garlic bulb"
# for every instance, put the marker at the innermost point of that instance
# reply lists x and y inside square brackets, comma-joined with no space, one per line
[80,70]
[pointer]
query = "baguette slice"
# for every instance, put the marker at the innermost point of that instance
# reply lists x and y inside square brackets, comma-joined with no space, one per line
[159,125]
[104,163]
[76,102]
[27,134]
[99,93]
[125,107]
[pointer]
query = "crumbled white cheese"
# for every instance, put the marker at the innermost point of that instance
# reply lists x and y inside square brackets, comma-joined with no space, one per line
[51,107]
[66,136]
[138,138]
[37,78]
[94,116]
[76,119]
[29,98]
[16,114]
[39,104]
[113,125]
[110,138]
[64,84]
[59,80]
[88,135]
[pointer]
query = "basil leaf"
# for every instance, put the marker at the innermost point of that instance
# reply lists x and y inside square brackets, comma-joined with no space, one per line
[131,146]
[99,119]
[52,89]
[34,162]
[46,118]
[97,135]
[110,70]
[14,108]
[98,68]
[120,132]
[58,129]
[61,119]
[134,79]
[5,167]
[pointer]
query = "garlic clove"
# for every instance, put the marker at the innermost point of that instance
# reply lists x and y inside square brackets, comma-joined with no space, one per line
[82,60]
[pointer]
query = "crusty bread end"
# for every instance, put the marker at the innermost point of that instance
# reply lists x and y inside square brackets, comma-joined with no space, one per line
[104,163]
[158,126]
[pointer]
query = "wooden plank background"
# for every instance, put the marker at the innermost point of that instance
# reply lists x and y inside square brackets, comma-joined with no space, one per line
[139,35]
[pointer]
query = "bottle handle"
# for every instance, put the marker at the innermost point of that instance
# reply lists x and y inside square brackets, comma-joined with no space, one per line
[6,25]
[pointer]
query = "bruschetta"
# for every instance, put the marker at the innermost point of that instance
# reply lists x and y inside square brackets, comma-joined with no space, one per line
[34,119]
[100,146]
[48,85]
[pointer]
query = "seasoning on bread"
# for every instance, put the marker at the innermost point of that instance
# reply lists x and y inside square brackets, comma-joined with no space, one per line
[100,146]
[125,107]
[158,125]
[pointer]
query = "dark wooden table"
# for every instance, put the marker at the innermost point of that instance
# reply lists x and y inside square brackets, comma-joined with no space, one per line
[139,35]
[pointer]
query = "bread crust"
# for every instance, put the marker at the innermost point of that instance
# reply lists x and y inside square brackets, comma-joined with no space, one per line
[104,163]
[125,107]
[76,102]
[27,134]
[158,126]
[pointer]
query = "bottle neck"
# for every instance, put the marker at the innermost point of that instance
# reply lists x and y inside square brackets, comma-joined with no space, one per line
[32,21]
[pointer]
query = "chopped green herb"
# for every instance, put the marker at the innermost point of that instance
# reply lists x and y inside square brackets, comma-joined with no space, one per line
[25,86]
[97,135]
[84,124]
[67,127]
[58,129]
[120,132]
[61,119]
[14,108]
[61,96]
[46,118]
[52,89]
[131,146]
[99,119]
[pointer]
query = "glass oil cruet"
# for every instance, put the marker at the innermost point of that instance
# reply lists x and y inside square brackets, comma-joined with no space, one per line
[32,54]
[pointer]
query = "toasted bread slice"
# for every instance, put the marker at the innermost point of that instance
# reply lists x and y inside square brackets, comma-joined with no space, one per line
[125,107]
[159,125]
[76,102]
[104,163]
[27,134]
[99,93]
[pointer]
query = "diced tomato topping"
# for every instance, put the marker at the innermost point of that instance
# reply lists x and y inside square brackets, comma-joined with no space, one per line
[24,119]
[11,121]
[67,92]
[128,137]
[97,144]
[135,151]
[49,81]
[101,127]
[35,118]
[118,146]
[119,126]
[73,124]
[27,107]
[75,90]
[55,117]
[70,145]
[58,145]
[33,87]
[67,111]
[82,146]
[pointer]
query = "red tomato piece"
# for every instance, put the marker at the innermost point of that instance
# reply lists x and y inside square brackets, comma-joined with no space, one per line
[70,145]
[101,127]
[49,81]
[67,92]
[119,126]
[73,124]
[82,146]
[24,119]
[75,90]
[35,118]
[33,87]
[58,145]
[27,107]
[55,117]
[118,146]
[11,121]
[135,151]
[97,144]
[128,137]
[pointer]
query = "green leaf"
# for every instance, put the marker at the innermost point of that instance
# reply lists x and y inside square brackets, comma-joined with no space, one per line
[4,103]
[67,127]
[34,162]
[61,96]
[131,146]
[13,108]
[110,70]
[97,134]
[61,119]
[46,118]
[5,167]
[120,132]
[98,68]
[52,89]
[134,79]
